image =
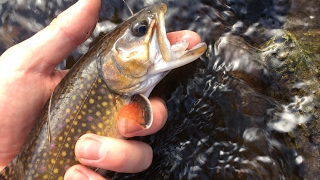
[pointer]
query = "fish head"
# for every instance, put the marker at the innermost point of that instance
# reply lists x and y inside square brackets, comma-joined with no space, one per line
[142,55]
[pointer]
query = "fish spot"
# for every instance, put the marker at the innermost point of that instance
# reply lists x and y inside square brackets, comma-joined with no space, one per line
[110,96]
[108,112]
[90,118]
[93,92]
[76,138]
[67,110]
[74,97]
[66,145]
[60,138]
[42,168]
[100,125]
[88,77]
[60,125]
[53,161]
[56,170]
[79,116]
[81,86]
[102,91]
[77,107]
[98,113]
[75,122]
[104,104]
[91,100]
[63,153]
[72,130]
[66,167]
[99,98]
[83,124]
[52,145]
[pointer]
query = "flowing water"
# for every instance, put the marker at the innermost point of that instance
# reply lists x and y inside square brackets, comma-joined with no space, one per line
[247,109]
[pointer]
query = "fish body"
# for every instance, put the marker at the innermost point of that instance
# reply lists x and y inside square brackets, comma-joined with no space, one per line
[121,69]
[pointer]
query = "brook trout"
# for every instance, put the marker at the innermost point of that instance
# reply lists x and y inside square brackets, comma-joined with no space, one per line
[119,71]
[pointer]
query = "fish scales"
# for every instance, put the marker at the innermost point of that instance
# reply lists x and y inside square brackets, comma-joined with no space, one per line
[89,97]
[81,103]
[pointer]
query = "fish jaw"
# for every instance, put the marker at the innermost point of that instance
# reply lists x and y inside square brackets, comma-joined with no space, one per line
[160,67]
[142,55]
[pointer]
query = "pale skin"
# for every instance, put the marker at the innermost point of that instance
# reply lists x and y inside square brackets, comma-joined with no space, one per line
[28,76]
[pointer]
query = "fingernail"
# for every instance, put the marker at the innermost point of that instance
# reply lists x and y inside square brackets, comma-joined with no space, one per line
[91,148]
[76,174]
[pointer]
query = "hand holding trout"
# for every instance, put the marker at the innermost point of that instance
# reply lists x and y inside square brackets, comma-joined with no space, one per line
[98,95]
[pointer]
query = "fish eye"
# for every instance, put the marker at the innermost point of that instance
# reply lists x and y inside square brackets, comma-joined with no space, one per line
[139,28]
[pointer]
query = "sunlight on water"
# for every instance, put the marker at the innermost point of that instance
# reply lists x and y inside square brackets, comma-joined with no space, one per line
[289,119]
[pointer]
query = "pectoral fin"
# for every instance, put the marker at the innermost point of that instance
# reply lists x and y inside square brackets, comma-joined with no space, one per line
[138,110]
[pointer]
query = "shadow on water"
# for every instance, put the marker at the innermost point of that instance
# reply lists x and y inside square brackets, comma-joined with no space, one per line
[248,109]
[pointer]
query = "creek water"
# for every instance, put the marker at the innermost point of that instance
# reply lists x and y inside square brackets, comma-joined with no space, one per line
[247,109]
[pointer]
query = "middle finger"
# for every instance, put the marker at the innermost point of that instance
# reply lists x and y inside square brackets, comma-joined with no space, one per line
[113,154]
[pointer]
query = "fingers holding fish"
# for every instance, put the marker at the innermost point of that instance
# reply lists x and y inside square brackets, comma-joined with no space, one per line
[79,172]
[113,154]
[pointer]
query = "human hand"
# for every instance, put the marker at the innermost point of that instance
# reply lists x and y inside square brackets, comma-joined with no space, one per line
[28,76]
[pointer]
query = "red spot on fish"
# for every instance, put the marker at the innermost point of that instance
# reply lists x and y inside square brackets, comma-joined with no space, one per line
[90,118]
[52,146]
[60,125]
[66,167]
[102,91]
[76,138]
[43,168]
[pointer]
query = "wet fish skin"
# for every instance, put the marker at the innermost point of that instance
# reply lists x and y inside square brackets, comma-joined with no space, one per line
[83,102]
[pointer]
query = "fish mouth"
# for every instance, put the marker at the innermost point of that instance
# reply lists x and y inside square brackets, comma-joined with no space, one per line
[163,42]
[172,56]
[163,56]
[142,54]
